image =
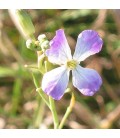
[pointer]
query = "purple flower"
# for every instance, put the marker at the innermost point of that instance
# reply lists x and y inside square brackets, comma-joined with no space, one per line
[87,81]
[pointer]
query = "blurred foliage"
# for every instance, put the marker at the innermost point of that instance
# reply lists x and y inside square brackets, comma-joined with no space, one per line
[19,101]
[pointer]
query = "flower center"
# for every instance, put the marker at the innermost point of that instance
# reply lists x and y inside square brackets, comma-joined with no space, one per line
[71,64]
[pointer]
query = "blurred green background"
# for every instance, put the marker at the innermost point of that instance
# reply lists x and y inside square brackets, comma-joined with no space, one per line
[19,101]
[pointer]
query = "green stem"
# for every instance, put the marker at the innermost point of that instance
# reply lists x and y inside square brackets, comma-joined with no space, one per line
[68,111]
[39,90]
[42,94]
[41,106]
[54,113]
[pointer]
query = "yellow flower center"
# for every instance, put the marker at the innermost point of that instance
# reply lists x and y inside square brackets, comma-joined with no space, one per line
[71,64]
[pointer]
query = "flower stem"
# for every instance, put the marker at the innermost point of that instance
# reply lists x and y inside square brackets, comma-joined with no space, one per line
[68,111]
[41,93]
[39,90]
[54,113]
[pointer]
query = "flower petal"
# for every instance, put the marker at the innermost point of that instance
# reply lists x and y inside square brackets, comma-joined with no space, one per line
[88,43]
[55,82]
[59,51]
[87,81]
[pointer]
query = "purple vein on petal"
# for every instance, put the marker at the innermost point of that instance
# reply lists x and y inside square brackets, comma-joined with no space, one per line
[88,43]
[87,81]
[55,82]
[59,51]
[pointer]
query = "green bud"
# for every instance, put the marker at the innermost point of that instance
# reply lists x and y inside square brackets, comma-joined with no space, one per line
[45,45]
[28,43]
[42,38]
[25,22]
[33,45]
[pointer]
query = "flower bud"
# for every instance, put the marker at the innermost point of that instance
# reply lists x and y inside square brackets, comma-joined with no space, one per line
[29,44]
[45,45]
[33,45]
[25,22]
[42,38]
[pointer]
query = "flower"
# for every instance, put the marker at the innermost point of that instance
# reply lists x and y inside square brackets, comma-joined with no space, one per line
[87,81]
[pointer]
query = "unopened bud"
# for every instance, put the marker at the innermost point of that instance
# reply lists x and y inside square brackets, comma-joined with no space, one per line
[30,44]
[42,38]
[25,22]
[45,45]
[33,45]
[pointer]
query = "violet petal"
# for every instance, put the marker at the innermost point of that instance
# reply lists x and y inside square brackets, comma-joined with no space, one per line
[87,81]
[59,51]
[88,43]
[55,82]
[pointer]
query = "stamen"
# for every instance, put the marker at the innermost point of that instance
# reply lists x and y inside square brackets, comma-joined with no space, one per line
[71,64]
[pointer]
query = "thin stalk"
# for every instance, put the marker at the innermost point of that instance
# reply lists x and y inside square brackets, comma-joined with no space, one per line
[39,90]
[42,94]
[68,111]
[54,113]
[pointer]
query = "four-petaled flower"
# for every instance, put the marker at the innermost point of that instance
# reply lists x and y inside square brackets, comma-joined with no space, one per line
[87,81]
